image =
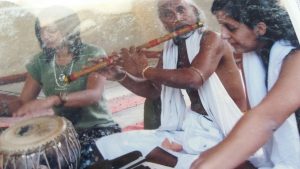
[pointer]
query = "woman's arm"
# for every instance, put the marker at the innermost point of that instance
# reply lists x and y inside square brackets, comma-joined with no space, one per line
[30,90]
[91,95]
[256,127]
[29,103]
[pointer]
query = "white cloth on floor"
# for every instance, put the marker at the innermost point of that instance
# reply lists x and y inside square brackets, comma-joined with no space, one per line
[200,133]
[284,148]
[145,141]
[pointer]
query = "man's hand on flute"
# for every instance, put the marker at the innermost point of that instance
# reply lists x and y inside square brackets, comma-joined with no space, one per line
[113,72]
[134,61]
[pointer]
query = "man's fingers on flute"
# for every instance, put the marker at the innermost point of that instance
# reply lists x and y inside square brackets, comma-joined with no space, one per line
[95,60]
[115,54]
[119,62]
[132,49]
[124,50]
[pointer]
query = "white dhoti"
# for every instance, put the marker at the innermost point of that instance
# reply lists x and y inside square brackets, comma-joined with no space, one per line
[199,134]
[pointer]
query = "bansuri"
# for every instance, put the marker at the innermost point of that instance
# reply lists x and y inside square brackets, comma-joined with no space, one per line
[111,59]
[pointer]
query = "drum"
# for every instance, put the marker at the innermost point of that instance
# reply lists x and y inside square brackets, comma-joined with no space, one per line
[48,142]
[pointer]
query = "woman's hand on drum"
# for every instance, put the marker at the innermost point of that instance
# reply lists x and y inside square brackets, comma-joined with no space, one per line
[36,106]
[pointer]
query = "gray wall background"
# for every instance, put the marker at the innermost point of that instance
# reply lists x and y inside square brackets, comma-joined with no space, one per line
[110,31]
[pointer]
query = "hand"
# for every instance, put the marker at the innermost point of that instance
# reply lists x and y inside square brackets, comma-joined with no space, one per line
[207,160]
[152,54]
[199,163]
[113,73]
[36,106]
[134,61]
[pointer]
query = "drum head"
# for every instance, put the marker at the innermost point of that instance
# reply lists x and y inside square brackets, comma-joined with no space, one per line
[30,134]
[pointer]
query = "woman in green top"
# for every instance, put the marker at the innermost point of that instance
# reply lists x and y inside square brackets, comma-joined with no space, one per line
[81,101]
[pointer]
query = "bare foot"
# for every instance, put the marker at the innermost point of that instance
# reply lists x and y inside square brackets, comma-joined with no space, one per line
[171,145]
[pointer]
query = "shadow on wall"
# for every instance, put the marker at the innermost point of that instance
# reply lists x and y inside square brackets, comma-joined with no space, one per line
[17,38]
[135,27]
[116,31]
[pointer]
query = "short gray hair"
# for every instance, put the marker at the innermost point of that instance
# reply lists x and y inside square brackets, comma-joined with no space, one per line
[199,12]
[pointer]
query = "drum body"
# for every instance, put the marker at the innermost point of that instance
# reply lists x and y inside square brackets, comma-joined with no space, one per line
[48,142]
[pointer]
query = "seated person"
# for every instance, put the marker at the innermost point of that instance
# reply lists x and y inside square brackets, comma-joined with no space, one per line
[263,32]
[199,62]
[81,101]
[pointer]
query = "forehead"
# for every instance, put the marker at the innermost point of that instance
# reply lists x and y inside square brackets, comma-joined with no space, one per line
[47,23]
[222,17]
[171,4]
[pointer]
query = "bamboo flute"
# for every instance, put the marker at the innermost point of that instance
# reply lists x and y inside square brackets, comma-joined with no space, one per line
[110,59]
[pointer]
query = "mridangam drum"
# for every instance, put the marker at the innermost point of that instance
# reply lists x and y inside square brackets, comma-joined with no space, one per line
[48,142]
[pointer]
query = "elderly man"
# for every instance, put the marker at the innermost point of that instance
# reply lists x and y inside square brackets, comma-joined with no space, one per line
[199,63]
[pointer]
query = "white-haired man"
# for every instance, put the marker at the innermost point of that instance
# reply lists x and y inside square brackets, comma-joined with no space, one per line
[198,63]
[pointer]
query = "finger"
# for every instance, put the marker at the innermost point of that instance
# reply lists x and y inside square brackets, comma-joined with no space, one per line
[141,50]
[124,53]
[17,114]
[132,49]
[94,59]
[124,50]
[115,54]
[119,61]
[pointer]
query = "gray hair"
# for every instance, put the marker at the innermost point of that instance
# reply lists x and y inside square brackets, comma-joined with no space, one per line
[199,12]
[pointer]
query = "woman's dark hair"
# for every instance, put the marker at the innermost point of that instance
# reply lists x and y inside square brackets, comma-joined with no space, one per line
[251,12]
[68,27]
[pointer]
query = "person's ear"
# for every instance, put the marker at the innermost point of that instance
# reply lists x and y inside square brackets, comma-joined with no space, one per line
[260,29]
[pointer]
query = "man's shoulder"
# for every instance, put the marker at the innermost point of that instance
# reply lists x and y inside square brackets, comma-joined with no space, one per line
[211,39]
[209,34]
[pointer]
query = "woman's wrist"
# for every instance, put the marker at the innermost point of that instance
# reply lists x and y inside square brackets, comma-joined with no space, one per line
[54,100]
[60,100]
[63,98]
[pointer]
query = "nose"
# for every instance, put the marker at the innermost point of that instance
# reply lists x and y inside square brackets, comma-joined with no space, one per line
[225,34]
[178,17]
